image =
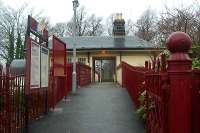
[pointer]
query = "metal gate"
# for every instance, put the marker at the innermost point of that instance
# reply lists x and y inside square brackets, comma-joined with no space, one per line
[105,67]
[58,76]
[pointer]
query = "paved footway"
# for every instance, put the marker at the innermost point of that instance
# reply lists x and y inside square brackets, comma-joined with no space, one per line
[97,108]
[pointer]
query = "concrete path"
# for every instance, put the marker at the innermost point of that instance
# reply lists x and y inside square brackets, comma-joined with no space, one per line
[97,108]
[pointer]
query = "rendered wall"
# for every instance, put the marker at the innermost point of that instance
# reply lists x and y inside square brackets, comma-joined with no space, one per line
[135,58]
[119,76]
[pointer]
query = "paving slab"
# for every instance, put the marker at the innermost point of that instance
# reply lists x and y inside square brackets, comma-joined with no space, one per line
[97,108]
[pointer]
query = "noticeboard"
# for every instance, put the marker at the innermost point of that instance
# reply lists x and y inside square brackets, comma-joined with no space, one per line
[44,67]
[35,65]
[39,76]
[37,56]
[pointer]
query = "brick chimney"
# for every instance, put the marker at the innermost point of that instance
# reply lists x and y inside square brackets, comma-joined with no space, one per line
[119,25]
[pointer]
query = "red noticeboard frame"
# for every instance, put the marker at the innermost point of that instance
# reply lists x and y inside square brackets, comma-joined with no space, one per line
[41,38]
[29,42]
[37,33]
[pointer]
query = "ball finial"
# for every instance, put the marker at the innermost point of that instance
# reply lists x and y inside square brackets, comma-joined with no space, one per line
[178,42]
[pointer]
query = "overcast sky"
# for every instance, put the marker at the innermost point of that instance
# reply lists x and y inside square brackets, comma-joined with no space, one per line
[61,10]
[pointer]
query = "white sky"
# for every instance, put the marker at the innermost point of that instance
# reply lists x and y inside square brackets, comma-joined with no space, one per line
[61,10]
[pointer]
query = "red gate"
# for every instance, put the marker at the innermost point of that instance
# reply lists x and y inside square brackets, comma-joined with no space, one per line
[58,74]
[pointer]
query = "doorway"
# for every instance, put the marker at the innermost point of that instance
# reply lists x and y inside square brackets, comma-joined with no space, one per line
[104,69]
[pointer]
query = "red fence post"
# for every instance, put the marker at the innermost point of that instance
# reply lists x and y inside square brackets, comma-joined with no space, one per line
[8,100]
[179,70]
[123,75]
[195,101]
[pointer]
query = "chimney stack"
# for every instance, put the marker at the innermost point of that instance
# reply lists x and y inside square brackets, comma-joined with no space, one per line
[119,25]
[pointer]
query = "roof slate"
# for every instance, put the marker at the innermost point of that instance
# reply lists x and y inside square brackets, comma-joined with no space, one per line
[106,42]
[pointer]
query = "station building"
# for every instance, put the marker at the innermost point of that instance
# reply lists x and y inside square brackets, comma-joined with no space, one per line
[105,53]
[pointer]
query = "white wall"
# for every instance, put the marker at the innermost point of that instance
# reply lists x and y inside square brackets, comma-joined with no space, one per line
[135,58]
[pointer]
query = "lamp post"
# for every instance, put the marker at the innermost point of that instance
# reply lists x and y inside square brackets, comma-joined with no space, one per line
[74,83]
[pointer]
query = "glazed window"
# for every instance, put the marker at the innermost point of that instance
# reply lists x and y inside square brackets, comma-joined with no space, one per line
[82,60]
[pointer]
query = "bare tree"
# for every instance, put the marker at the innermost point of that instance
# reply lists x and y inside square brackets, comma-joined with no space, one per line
[82,21]
[59,29]
[69,28]
[86,26]
[82,24]
[183,19]
[145,25]
[109,24]
[95,27]
[12,34]
[196,22]
[129,27]
[7,26]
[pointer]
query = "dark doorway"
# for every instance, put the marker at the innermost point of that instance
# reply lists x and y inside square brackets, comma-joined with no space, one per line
[105,69]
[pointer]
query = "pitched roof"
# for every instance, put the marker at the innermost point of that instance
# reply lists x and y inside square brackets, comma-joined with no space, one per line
[107,42]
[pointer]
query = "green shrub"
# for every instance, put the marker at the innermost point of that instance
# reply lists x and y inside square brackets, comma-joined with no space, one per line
[196,63]
[142,107]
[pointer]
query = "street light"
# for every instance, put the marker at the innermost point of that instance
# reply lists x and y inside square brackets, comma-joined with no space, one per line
[74,83]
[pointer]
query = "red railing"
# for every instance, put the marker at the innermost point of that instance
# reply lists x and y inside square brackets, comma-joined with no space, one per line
[83,75]
[149,79]
[37,100]
[154,81]
[12,103]
[172,89]
[156,86]
[133,80]
[69,76]
[57,90]
[195,101]
[17,110]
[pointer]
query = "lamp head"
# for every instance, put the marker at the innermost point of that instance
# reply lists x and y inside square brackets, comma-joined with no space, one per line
[75,3]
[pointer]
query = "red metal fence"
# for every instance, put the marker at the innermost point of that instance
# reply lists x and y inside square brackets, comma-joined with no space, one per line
[12,103]
[83,75]
[172,89]
[155,81]
[136,74]
[37,104]
[17,110]
[195,101]
[156,86]
[148,79]
[20,101]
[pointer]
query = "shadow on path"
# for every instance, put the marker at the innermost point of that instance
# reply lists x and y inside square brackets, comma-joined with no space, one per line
[97,108]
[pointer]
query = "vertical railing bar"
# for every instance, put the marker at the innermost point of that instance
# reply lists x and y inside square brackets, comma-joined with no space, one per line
[23,103]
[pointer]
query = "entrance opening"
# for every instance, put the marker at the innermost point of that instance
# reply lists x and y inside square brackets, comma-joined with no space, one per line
[104,69]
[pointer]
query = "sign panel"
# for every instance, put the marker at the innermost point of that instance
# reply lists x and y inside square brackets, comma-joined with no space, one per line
[44,67]
[35,65]
[38,28]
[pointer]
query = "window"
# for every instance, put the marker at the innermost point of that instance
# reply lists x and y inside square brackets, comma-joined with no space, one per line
[82,60]
[69,60]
